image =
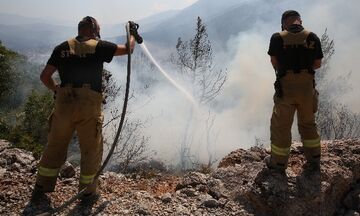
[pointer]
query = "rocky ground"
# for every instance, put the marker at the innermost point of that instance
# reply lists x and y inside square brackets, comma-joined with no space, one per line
[241,185]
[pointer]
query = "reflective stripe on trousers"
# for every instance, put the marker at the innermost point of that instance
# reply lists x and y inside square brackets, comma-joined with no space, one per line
[311,143]
[86,179]
[48,172]
[280,151]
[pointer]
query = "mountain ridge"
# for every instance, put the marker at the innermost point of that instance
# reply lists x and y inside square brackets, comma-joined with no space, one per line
[162,29]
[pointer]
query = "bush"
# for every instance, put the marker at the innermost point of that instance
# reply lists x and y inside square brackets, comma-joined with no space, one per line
[17,77]
[4,129]
[36,114]
[7,72]
[23,116]
[145,169]
[25,141]
[30,131]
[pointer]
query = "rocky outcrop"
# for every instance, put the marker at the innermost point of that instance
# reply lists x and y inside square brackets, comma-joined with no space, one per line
[241,185]
[243,177]
[333,191]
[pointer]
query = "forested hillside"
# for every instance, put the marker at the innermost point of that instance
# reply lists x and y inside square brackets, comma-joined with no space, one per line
[24,103]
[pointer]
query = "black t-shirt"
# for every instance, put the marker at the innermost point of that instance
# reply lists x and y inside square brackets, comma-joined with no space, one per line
[276,47]
[82,69]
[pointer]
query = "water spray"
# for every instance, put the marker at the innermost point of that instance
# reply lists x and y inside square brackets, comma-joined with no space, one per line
[167,76]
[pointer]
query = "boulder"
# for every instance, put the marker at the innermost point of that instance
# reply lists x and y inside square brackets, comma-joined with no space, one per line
[299,192]
[17,160]
[192,179]
[67,170]
[4,145]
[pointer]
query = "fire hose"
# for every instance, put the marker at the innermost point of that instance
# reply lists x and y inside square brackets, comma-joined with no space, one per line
[117,135]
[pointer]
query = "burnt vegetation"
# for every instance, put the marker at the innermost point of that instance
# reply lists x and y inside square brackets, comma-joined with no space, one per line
[334,118]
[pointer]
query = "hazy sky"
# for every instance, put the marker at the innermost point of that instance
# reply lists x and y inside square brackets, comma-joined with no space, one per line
[106,11]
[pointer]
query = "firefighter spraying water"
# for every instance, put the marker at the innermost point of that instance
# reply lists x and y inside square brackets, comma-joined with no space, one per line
[79,62]
[78,107]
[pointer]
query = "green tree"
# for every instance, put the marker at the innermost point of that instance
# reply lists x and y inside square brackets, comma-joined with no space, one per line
[30,131]
[7,72]
[36,112]
[17,77]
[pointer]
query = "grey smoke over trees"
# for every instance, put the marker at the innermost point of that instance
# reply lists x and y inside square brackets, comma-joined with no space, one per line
[132,145]
[335,119]
[194,60]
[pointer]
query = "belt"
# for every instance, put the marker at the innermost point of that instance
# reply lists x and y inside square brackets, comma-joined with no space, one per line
[78,85]
[72,85]
[297,71]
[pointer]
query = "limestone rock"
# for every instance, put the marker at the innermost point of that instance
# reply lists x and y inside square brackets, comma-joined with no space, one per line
[192,179]
[4,145]
[299,192]
[241,185]
[67,170]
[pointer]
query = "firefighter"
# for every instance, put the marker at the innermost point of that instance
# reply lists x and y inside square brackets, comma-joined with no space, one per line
[295,54]
[78,105]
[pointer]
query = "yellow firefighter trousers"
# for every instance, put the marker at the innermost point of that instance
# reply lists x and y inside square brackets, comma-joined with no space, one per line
[299,95]
[76,109]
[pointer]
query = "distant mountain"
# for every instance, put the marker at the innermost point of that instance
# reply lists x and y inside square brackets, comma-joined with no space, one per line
[23,33]
[31,36]
[206,9]
[223,19]
[146,24]
[12,19]
[150,22]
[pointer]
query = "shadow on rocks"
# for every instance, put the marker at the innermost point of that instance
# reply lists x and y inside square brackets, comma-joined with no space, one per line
[88,209]
[37,208]
[270,193]
[308,183]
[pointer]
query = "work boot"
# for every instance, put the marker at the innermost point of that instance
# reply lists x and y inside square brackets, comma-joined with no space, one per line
[39,203]
[89,199]
[270,165]
[312,167]
[38,195]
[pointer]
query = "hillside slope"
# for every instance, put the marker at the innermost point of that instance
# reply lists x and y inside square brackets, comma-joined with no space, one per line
[241,185]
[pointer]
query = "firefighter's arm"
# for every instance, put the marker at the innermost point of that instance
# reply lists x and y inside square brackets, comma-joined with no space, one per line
[134,36]
[122,48]
[316,64]
[46,77]
[274,62]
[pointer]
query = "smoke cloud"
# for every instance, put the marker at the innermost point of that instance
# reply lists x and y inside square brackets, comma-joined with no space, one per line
[244,107]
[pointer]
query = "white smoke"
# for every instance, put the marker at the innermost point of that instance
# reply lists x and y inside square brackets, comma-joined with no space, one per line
[245,105]
[251,76]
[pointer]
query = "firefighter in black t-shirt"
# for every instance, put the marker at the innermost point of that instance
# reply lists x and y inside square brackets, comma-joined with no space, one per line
[79,62]
[295,54]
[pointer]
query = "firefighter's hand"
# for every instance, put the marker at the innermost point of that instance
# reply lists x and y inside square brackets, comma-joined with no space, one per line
[134,31]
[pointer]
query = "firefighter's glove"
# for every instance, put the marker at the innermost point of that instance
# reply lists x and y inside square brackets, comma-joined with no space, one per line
[134,31]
